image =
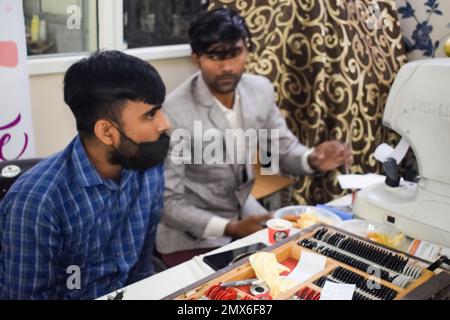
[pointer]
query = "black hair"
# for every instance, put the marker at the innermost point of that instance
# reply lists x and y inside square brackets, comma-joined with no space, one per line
[98,86]
[221,25]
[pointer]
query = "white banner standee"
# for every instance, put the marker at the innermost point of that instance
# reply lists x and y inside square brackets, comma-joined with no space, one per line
[16,128]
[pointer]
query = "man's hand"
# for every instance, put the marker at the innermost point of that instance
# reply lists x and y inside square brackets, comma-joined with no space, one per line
[330,155]
[247,226]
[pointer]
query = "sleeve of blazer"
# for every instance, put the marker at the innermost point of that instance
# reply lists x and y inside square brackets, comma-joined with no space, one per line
[290,149]
[179,213]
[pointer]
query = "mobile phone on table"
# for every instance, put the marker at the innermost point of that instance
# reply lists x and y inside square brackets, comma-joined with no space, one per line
[223,259]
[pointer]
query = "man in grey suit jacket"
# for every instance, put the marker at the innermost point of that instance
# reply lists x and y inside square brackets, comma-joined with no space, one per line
[209,203]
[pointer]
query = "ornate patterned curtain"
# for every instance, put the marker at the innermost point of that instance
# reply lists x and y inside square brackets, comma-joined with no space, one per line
[332,63]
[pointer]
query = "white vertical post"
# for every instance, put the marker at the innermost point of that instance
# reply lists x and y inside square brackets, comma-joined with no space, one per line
[16,129]
[110,17]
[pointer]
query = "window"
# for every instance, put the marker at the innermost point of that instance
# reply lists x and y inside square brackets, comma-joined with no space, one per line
[158,22]
[60,27]
[60,32]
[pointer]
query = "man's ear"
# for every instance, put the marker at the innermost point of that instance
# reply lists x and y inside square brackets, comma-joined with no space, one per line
[104,131]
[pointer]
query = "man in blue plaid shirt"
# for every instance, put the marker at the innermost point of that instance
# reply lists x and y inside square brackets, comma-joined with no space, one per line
[82,223]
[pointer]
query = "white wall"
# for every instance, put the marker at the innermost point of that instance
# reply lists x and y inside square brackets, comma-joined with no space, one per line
[432,27]
[54,124]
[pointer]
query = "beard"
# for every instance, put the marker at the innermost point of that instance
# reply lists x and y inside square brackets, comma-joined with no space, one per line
[125,155]
[142,156]
[225,83]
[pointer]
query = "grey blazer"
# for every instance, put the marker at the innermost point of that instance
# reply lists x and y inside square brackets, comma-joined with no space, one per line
[197,192]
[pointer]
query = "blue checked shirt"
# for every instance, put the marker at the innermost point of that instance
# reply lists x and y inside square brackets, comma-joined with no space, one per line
[62,217]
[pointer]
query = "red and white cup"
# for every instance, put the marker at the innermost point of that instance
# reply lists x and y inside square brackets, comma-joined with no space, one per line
[278,229]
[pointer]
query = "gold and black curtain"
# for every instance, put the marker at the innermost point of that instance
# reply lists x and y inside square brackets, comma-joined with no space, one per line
[332,63]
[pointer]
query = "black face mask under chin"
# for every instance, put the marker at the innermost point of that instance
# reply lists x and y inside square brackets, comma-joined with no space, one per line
[149,154]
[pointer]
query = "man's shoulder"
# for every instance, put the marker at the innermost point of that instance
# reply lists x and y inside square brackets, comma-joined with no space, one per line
[44,179]
[258,89]
[183,92]
[255,81]
[257,85]
[180,101]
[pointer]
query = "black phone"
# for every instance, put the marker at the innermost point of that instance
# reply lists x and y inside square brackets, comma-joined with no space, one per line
[223,259]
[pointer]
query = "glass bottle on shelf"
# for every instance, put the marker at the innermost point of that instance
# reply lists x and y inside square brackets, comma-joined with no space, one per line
[43,31]
[34,29]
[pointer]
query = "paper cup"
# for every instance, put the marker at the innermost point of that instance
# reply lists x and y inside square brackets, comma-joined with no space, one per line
[278,229]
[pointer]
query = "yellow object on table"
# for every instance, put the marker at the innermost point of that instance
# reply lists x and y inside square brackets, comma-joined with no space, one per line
[268,269]
[387,240]
[306,220]
[447,47]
